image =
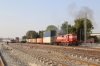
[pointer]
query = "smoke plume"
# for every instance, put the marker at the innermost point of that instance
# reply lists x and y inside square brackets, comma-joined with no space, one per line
[83,10]
[76,13]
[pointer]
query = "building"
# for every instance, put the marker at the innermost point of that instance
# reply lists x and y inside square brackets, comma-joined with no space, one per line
[95,34]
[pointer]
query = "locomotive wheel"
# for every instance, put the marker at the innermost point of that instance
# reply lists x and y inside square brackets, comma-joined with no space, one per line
[61,44]
[69,44]
[65,44]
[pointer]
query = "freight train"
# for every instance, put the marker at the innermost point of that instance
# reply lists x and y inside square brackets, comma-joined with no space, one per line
[49,37]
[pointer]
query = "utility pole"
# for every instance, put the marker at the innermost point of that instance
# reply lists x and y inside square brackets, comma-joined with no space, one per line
[31,36]
[85,28]
[80,35]
[58,30]
[67,27]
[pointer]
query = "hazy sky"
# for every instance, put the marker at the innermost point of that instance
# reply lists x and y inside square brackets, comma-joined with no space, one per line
[19,16]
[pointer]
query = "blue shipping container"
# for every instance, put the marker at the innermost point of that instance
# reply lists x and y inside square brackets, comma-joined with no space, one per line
[49,33]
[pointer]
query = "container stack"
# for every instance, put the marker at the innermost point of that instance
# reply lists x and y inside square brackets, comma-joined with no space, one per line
[47,36]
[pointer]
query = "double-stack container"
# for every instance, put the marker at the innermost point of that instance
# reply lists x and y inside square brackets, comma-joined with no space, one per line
[48,36]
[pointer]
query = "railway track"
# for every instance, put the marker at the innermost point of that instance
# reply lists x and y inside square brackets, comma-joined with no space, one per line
[41,58]
[86,55]
[57,46]
[1,62]
[44,55]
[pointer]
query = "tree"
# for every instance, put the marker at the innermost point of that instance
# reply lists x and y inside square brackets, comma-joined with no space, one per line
[79,26]
[51,27]
[99,39]
[71,29]
[31,34]
[41,34]
[24,37]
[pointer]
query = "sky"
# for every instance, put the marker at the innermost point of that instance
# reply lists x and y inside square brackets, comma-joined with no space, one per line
[19,16]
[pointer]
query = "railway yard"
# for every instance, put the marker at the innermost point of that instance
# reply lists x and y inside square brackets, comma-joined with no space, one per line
[24,54]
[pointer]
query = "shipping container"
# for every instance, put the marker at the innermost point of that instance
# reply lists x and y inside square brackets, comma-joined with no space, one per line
[30,40]
[48,39]
[34,40]
[39,40]
[49,33]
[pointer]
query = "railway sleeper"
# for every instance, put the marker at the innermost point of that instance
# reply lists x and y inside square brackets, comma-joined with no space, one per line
[85,63]
[60,57]
[83,58]
[98,60]
[48,62]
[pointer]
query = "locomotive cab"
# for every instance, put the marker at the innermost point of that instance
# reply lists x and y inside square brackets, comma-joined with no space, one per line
[69,39]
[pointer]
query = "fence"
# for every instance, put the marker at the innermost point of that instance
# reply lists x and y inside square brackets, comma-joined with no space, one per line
[90,44]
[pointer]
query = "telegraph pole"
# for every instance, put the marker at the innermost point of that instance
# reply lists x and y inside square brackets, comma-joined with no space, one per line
[67,27]
[58,30]
[85,30]
[58,27]
[80,35]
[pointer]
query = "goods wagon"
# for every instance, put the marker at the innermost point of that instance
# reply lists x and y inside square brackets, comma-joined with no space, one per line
[34,40]
[40,40]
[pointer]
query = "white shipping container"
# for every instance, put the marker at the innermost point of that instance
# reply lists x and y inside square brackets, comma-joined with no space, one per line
[46,39]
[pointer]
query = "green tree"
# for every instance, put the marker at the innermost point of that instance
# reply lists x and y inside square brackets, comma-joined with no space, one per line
[79,26]
[31,34]
[41,34]
[64,27]
[99,39]
[71,28]
[51,27]
[24,37]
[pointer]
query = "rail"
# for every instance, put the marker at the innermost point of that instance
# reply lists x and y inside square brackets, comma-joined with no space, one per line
[1,62]
[62,57]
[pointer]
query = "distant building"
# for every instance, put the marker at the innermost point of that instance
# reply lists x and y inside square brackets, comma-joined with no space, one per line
[95,34]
